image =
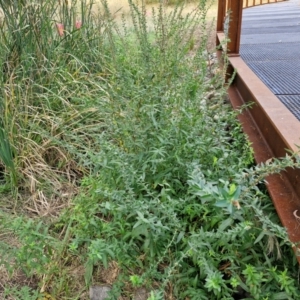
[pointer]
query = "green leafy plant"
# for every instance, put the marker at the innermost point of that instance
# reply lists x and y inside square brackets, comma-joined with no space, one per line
[25,293]
[129,161]
[136,280]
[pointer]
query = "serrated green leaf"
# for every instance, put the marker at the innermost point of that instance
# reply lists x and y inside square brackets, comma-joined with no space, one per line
[140,230]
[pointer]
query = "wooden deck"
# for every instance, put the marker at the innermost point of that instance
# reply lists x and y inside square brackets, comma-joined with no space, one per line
[262,44]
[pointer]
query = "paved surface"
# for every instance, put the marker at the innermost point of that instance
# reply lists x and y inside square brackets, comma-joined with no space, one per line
[270,45]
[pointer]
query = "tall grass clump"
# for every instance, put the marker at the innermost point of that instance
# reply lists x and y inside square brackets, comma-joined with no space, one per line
[131,168]
[41,88]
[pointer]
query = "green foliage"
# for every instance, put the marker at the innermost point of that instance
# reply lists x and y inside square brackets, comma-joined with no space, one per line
[6,155]
[166,187]
[136,281]
[25,293]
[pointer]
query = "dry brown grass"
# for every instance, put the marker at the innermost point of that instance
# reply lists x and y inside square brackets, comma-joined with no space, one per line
[119,7]
[210,16]
[122,5]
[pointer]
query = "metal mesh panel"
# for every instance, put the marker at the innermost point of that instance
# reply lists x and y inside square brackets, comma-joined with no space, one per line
[271,22]
[273,29]
[267,52]
[266,17]
[270,38]
[282,77]
[292,102]
[270,45]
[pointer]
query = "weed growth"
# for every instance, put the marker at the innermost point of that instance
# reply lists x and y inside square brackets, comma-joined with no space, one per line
[127,158]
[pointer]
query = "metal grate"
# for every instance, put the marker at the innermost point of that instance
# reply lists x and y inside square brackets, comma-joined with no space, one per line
[292,102]
[282,77]
[264,17]
[273,29]
[270,38]
[272,22]
[270,45]
[267,52]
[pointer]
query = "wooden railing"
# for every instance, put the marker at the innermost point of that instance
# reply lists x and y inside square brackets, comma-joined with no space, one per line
[250,3]
[230,16]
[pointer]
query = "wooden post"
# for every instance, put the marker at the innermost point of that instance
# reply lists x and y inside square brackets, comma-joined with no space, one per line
[221,15]
[235,8]
[220,18]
